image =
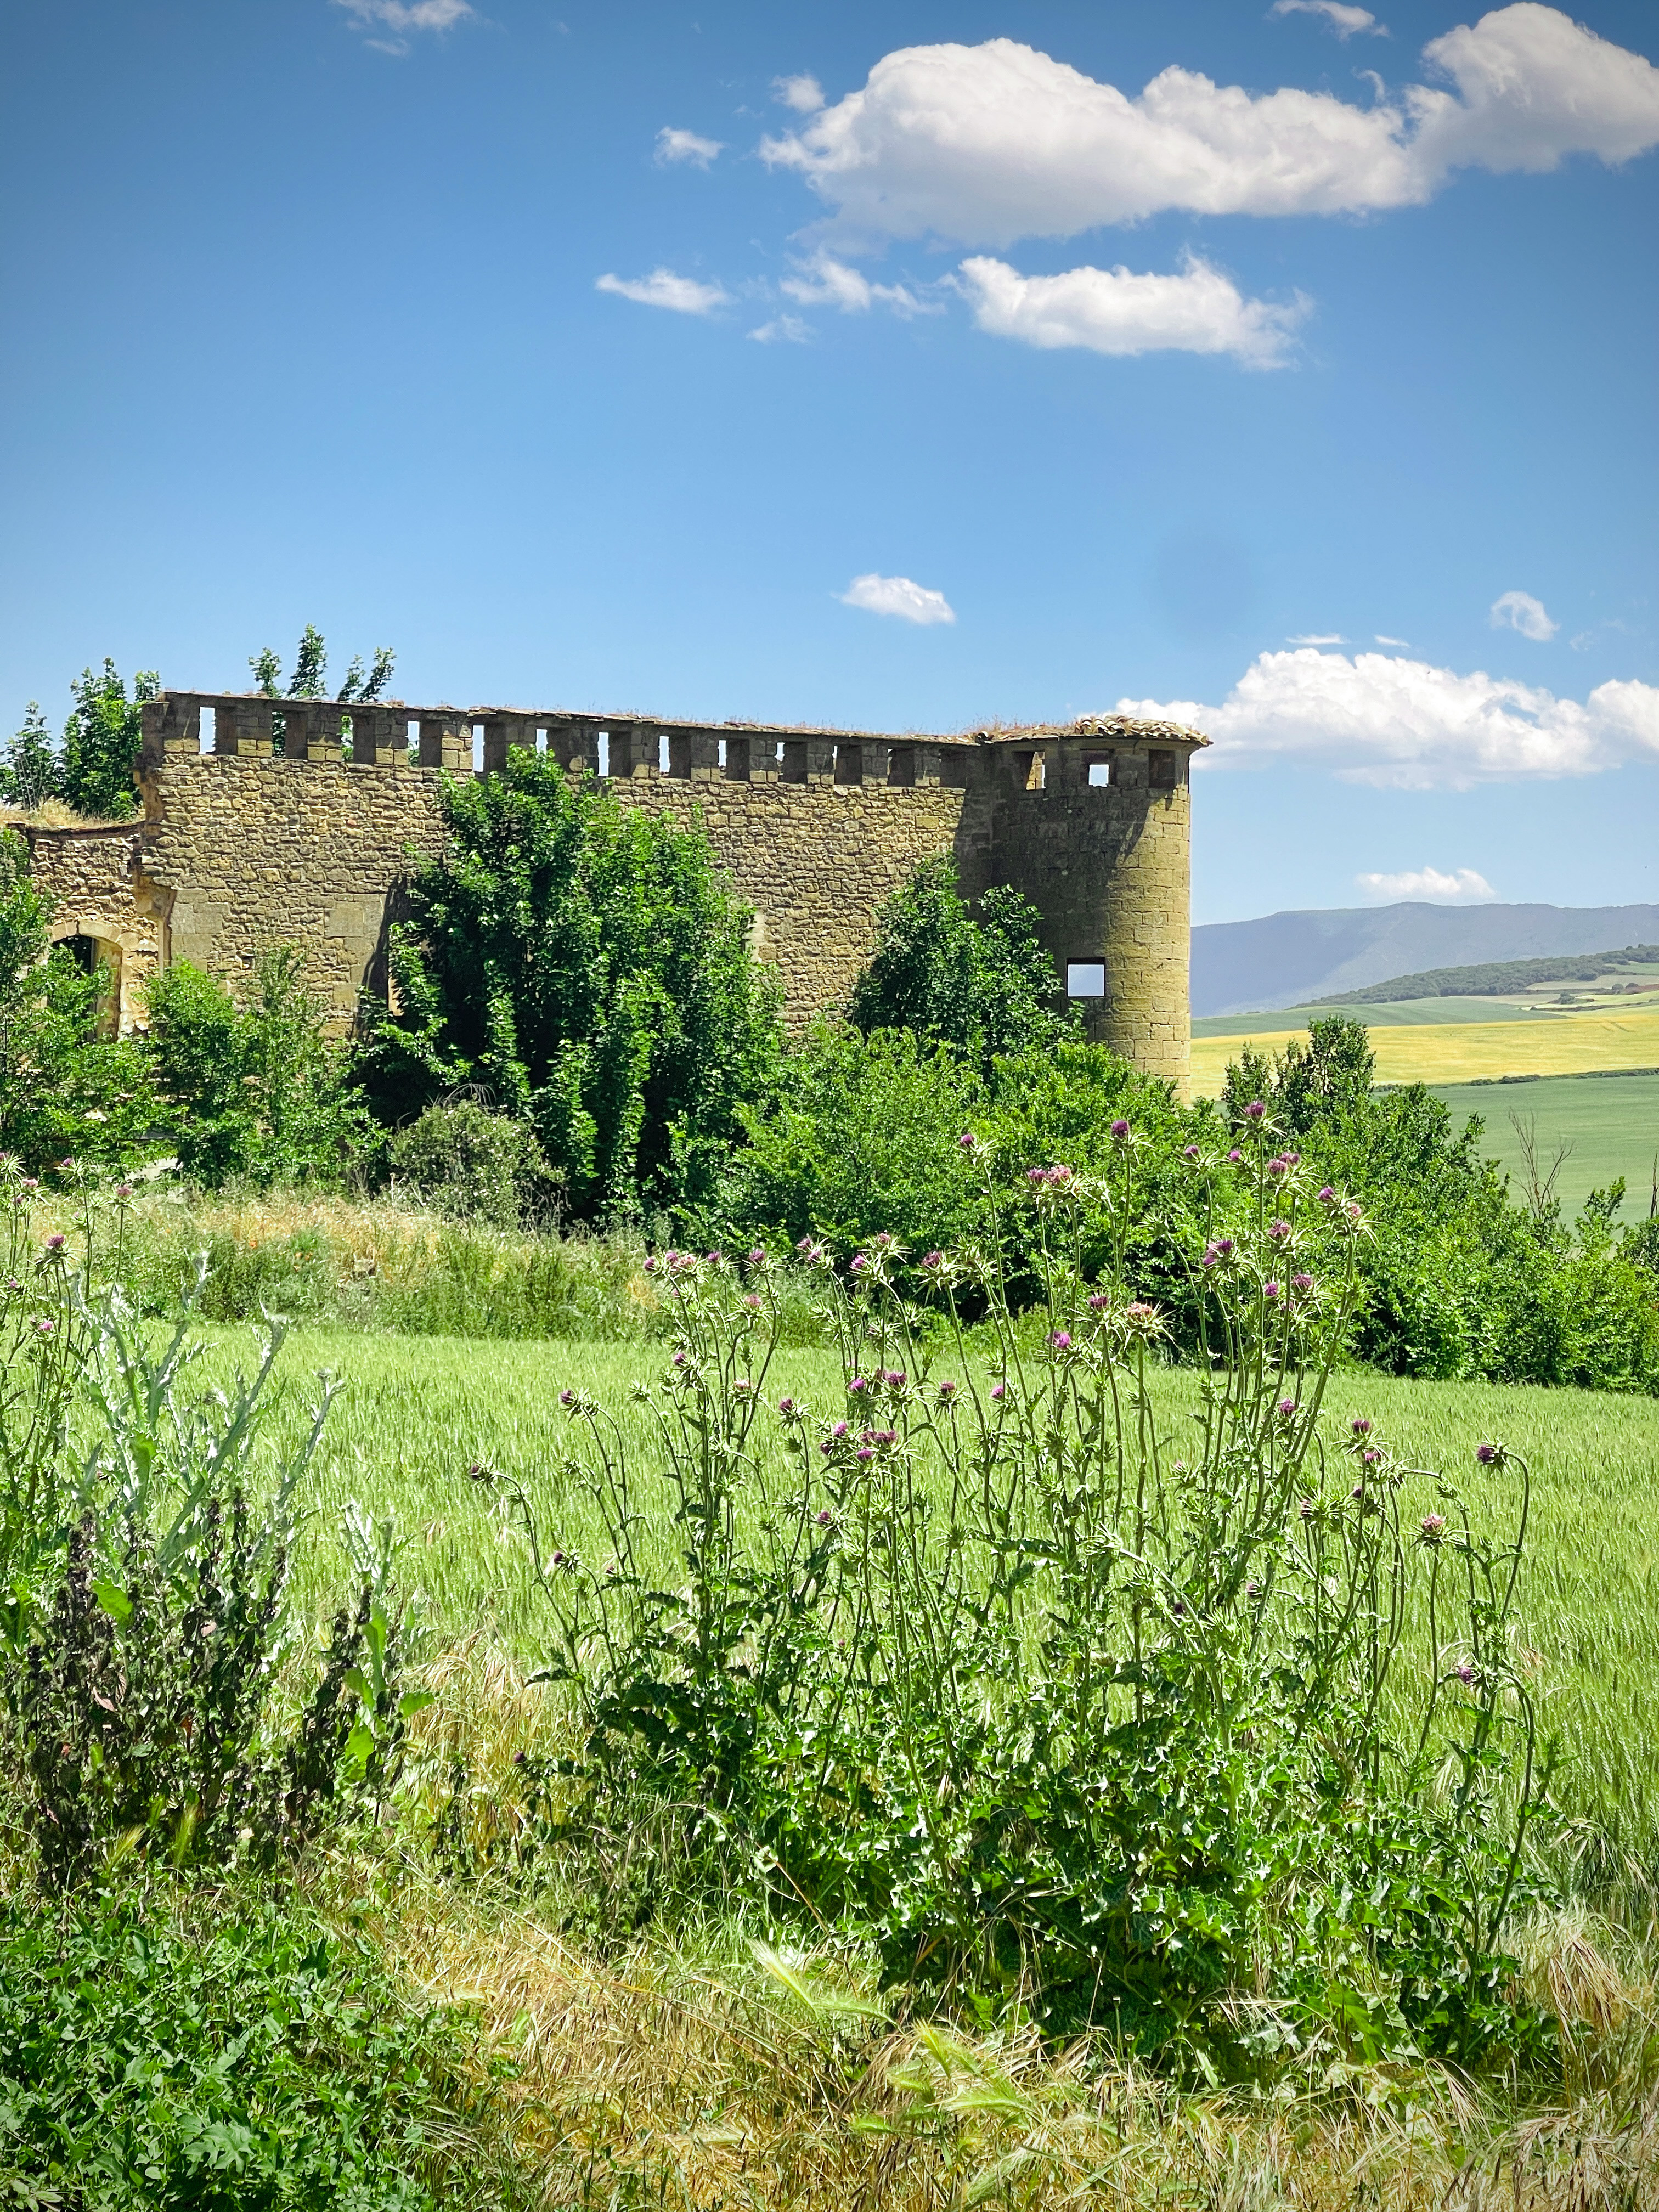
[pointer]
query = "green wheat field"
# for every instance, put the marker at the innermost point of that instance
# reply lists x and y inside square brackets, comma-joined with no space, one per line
[415,1413]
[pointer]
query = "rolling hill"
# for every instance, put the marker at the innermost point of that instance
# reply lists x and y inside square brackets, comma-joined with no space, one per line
[1292,959]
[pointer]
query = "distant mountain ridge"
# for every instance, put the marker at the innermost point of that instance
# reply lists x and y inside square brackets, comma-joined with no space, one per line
[1299,958]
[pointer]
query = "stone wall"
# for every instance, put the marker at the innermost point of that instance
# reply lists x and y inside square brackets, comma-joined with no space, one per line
[244,846]
[102,890]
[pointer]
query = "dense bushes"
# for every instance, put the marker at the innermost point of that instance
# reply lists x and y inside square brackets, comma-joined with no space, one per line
[257,1090]
[976,980]
[966,1662]
[586,968]
[240,2058]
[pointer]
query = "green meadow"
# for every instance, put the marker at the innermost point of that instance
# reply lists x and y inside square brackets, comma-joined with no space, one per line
[1609,1124]
[414,1414]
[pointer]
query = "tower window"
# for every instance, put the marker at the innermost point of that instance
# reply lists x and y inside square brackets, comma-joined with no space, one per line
[1160,771]
[1085,979]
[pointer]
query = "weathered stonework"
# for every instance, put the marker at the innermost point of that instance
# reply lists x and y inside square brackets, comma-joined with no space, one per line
[241,846]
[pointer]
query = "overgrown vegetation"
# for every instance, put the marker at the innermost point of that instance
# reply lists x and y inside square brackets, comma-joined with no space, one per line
[586,968]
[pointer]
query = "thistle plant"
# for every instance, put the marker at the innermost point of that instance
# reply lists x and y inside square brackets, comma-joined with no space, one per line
[1214,1740]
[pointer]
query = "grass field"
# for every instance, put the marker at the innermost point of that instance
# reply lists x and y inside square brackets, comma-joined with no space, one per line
[1409,1014]
[416,1413]
[1611,1122]
[1570,1043]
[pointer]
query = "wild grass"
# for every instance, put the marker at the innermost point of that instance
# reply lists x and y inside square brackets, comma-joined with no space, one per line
[416,1413]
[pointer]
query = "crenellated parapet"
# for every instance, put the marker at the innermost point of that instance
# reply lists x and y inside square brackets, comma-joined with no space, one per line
[299,820]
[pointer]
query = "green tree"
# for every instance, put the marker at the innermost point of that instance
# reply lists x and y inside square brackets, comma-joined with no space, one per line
[101,738]
[585,966]
[69,1090]
[975,979]
[309,664]
[257,1088]
[32,771]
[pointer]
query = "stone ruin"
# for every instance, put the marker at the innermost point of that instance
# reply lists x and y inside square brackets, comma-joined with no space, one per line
[267,821]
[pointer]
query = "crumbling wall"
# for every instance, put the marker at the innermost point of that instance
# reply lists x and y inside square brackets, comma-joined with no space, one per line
[243,845]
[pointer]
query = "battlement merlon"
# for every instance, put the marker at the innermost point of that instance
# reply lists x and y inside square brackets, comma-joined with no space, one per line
[394,733]
[301,821]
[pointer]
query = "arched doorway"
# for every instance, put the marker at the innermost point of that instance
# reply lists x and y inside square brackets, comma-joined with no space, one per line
[100,956]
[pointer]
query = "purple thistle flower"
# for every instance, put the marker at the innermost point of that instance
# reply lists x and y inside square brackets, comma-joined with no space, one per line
[1279,1231]
[786,1405]
[1307,1508]
[1328,1196]
[1120,1129]
[757,1257]
[967,1142]
[860,1264]
[679,1360]
[1362,1427]
[838,1428]
[1302,1283]
[1286,1407]
[1099,1300]
[1060,1340]
[864,1454]
[1466,1676]
[1191,1152]
[1486,1454]
[1225,1247]
[567,1397]
[857,1384]
[825,1516]
[1270,1290]
[1434,1526]
[123,1190]
[934,1260]
[997,1389]
[56,1240]
[1255,1110]
[947,1389]
[1235,1158]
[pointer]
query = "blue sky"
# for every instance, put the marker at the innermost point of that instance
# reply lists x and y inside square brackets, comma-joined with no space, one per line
[304,321]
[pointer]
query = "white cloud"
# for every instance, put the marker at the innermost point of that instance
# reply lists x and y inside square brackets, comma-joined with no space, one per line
[1343,20]
[399,16]
[898,595]
[784,330]
[803,93]
[685,296]
[1519,610]
[1404,725]
[1116,311]
[1460,887]
[1381,639]
[823,281]
[990,143]
[1314,637]
[685,146]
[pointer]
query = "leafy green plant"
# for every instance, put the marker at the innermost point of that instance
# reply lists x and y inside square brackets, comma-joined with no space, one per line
[582,966]
[101,740]
[474,1165]
[1123,1733]
[974,978]
[246,2058]
[30,773]
[257,1088]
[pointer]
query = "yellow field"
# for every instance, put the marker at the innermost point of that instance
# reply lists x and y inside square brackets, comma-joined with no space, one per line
[1457,1052]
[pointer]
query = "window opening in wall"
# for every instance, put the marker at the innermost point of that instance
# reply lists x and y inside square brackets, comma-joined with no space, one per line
[1085,979]
[604,744]
[210,737]
[849,763]
[1028,771]
[662,753]
[1160,771]
[902,765]
[541,741]
[734,759]
[795,760]
[720,753]
[1100,773]
[412,742]
[477,749]
[679,754]
[953,769]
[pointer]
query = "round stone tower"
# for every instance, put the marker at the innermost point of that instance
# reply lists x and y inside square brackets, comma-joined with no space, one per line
[1093,824]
